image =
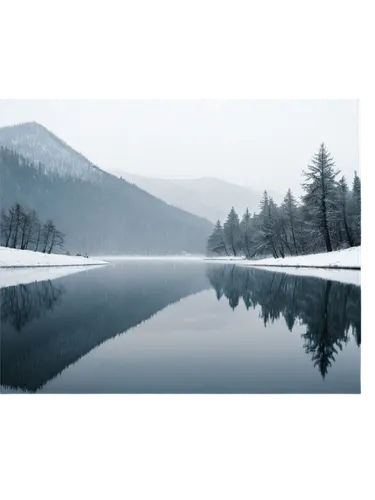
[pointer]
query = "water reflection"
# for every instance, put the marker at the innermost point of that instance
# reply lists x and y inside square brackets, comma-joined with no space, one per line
[21,304]
[47,326]
[329,310]
[195,345]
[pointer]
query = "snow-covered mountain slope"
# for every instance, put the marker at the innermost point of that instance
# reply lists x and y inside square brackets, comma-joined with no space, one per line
[40,146]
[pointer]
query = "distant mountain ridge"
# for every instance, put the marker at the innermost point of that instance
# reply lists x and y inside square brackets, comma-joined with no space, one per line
[206,197]
[98,212]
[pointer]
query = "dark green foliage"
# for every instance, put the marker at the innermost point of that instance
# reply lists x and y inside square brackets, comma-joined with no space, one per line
[216,244]
[328,217]
[232,233]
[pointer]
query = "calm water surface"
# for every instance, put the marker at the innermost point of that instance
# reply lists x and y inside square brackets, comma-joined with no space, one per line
[181,327]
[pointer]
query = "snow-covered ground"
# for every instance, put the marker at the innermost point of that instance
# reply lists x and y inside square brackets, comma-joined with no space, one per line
[24,275]
[12,257]
[343,265]
[343,259]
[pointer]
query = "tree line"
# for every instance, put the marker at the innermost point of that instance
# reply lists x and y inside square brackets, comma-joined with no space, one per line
[326,218]
[22,229]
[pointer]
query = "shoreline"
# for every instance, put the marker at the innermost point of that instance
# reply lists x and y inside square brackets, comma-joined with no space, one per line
[295,266]
[15,258]
[248,263]
[36,266]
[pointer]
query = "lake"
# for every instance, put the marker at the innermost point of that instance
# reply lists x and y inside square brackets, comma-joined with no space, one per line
[181,326]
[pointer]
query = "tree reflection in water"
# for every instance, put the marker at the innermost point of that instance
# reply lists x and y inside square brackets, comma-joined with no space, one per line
[23,303]
[330,310]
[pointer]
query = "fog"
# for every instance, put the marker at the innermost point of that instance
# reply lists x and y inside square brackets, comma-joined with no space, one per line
[264,144]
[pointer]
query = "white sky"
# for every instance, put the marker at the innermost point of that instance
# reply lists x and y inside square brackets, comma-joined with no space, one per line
[261,143]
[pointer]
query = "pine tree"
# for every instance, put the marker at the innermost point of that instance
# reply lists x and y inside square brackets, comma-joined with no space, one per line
[270,227]
[245,226]
[232,232]
[216,243]
[320,197]
[343,214]
[278,228]
[291,216]
[356,195]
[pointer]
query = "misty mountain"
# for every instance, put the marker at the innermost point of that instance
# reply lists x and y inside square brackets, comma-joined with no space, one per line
[206,197]
[98,212]
[43,148]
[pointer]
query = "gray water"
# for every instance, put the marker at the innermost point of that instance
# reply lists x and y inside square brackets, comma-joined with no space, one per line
[181,327]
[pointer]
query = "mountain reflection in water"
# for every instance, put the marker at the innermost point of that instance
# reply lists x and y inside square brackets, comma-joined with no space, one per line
[48,326]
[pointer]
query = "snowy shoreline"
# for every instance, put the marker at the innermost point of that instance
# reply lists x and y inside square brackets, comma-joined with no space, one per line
[342,265]
[343,268]
[12,258]
[340,259]
[44,266]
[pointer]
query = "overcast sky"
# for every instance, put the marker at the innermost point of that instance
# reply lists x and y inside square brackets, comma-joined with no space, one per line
[264,144]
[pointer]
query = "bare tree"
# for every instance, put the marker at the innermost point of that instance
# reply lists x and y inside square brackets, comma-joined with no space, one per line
[47,234]
[38,234]
[57,240]
[20,229]
[24,228]
[7,225]
[51,237]
[31,226]
[17,214]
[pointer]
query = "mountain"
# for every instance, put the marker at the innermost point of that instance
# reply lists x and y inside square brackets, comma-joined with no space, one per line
[175,194]
[40,146]
[98,212]
[207,197]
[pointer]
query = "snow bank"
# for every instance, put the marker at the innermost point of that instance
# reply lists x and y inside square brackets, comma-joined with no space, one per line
[24,275]
[343,259]
[12,257]
[350,277]
[343,265]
